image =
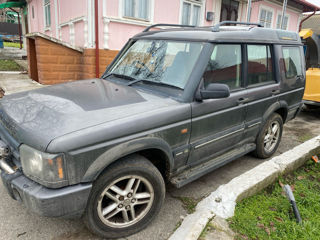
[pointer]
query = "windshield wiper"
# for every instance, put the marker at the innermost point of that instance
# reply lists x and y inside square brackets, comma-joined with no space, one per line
[120,76]
[149,81]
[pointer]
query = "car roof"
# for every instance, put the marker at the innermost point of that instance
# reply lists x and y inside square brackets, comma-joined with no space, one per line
[223,34]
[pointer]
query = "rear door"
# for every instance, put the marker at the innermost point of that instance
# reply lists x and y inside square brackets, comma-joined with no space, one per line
[262,87]
[218,124]
[293,77]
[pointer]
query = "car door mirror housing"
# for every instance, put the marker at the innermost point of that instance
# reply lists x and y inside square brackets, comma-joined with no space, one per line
[215,90]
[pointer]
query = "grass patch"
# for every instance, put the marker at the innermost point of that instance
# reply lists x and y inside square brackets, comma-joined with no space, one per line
[268,215]
[305,137]
[12,44]
[206,229]
[9,65]
[177,225]
[189,204]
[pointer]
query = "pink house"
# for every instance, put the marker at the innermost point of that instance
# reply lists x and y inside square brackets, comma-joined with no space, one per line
[73,21]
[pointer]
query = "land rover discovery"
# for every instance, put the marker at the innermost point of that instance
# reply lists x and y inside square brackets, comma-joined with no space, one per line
[175,104]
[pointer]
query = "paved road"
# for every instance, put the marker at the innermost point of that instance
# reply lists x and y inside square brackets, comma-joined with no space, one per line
[17,223]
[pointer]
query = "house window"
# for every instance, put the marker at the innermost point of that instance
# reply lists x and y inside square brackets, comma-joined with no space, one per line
[285,23]
[266,18]
[137,9]
[32,9]
[47,13]
[191,12]
[229,10]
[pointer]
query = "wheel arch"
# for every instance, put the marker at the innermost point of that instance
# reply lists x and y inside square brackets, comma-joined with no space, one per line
[148,147]
[280,107]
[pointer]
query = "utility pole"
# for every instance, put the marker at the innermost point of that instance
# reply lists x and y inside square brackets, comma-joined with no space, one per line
[284,8]
[249,11]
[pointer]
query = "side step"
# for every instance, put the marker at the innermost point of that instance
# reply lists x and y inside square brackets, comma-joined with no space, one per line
[198,171]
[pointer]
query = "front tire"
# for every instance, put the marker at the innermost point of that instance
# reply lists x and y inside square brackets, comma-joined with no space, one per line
[269,137]
[125,198]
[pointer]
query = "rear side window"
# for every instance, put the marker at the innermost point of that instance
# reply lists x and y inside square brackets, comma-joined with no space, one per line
[292,61]
[224,66]
[259,64]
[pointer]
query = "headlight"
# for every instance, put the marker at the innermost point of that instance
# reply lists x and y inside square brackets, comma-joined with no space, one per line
[44,168]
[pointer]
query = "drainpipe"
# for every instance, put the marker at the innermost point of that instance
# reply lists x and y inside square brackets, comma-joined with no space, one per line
[284,8]
[306,18]
[249,11]
[96,10]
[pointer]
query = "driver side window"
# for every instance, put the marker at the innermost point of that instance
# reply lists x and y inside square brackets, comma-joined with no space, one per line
[224,66]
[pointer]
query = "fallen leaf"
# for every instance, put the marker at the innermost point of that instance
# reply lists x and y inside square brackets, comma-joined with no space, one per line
[273,229]
[272,209]
[244,237]
[302,195]
[267,231]
[301,177]
[293,187]
[278,219]
[259,218]
[260,225]
[271,224]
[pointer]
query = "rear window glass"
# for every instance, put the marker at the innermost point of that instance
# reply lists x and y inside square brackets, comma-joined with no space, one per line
[259,64]
[224,66]
[292,61]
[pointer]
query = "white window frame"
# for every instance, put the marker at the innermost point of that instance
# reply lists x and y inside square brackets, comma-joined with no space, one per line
[286,15]
[193,2]
[150,12]
[46,26]
[268,9]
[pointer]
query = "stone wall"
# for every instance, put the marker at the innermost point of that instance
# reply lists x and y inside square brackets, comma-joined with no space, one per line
[52,61]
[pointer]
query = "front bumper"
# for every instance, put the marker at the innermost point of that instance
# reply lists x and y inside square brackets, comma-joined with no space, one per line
[66,202]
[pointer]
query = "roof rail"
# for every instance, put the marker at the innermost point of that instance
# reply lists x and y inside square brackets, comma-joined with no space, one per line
[165,25]
[217,26]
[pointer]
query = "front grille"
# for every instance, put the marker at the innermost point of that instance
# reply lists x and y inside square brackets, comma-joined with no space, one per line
[4,121]
[10,141]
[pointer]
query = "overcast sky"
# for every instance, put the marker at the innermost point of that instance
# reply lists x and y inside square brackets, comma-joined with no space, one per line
[315,2]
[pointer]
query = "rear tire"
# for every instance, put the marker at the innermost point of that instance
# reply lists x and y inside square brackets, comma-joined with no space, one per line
[269,137]
[311,107]
[125,198]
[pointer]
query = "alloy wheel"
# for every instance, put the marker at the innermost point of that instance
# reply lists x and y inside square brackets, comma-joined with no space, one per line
[125,201]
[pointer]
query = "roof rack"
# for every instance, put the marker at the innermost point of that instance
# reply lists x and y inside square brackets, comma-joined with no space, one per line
[217,26]
[166,25]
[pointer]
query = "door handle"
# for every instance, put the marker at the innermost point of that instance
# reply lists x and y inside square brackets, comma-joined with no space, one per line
[243,100]
[276,91]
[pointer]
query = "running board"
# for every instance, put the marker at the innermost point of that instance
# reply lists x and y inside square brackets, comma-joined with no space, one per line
[198,171]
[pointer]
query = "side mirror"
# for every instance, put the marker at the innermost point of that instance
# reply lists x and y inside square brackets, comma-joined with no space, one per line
[215,90]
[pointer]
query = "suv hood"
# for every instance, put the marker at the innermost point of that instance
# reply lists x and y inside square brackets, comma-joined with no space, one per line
[37,117]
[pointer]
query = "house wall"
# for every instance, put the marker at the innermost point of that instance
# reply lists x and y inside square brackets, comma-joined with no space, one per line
[73,20]
[294,15]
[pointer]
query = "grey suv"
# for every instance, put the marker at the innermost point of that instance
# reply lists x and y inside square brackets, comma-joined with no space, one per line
[175,104]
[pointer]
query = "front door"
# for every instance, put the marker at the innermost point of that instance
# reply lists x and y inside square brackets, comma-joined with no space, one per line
[218,124]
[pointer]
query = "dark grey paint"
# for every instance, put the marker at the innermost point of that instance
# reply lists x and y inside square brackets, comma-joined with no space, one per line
[96,122]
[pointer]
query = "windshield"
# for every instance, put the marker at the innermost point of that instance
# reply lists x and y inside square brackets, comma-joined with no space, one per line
[160,61]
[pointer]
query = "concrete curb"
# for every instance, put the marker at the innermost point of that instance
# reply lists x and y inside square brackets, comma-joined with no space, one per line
[222,202]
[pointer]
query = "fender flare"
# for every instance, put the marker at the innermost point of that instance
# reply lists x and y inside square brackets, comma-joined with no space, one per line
[124,149]
[273,108]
